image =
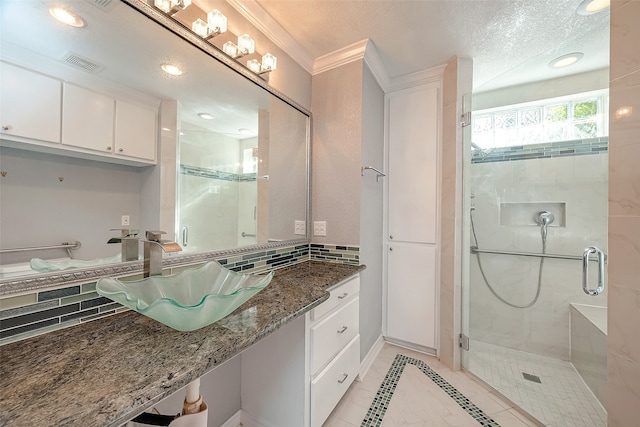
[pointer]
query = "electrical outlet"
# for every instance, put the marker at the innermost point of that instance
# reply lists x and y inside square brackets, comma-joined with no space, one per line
[125,220]
[300,228]
[320,228]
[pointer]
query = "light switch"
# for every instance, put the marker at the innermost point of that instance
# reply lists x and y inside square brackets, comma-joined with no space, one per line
[320,228]
[300,228]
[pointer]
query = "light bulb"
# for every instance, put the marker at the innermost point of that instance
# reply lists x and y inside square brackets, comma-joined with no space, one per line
[254,65]
[163,5]
[174,70]
[200,28]
[269,62]
[230,49]
[217,21]
[67,17]
[246,45]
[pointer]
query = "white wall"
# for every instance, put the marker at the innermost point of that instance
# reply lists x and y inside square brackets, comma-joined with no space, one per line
[37,208]
[579,182]
[336,153]
[623,358]
[371,213]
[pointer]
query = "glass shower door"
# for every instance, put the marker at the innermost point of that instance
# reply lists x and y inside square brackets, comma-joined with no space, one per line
[536,193]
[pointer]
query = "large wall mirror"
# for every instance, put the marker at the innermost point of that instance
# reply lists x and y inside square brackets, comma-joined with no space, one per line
[232,160]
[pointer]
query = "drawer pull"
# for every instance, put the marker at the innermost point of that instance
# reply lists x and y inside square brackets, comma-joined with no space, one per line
[343,296]
[341,331]
[343,379]
[7,127]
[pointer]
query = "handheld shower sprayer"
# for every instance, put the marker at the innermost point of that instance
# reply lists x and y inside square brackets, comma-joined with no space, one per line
[543,219]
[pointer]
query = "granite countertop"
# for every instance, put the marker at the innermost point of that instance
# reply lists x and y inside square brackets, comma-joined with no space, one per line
[105,372]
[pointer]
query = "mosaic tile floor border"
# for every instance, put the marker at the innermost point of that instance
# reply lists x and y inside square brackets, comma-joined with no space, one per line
[380,403]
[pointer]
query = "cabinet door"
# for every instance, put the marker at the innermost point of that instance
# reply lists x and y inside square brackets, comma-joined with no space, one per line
[30,104]
[87,119]
[413,141]
[411,293]
[135,132]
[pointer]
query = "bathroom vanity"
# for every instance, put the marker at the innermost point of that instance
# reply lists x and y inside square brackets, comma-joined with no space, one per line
[301,329]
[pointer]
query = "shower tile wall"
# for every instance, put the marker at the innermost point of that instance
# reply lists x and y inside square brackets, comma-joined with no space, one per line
[209,190]
[580,182]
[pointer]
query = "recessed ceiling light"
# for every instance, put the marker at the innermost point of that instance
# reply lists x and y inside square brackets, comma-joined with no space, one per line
[174,70]
[67,17]
[205,116]
[244,131]
[589,7]
[566,60]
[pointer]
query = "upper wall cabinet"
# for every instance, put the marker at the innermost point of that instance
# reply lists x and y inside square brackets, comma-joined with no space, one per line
[38,110]
[413,151]
[99,122]
[135,131]
[30,104]
[87,119]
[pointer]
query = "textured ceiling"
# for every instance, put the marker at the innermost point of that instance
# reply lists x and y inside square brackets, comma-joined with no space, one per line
[514,39]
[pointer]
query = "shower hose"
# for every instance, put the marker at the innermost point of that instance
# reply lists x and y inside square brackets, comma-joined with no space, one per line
[484,276]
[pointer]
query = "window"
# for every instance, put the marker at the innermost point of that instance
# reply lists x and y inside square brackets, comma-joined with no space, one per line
[579,116]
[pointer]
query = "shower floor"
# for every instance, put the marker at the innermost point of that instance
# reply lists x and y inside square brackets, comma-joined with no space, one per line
[561,398]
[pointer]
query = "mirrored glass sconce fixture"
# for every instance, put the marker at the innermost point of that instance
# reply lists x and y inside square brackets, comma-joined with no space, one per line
[215,25]
[171,7]
[269,63]
[246,46]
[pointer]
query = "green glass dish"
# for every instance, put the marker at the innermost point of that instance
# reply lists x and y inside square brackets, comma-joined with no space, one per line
[188,300]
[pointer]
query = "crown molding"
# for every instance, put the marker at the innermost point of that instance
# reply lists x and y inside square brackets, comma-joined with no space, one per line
[376,66]
[264,22]
[430,75]
[335,59]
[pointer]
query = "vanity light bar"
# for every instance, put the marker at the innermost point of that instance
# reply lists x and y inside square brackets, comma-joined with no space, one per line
[216,24]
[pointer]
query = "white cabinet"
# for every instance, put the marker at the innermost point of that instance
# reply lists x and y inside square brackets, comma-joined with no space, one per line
[296,376]
[334,349]
[412,164]
[95,121]
[37,110]
[30,104]
[412,195]
[87,119]
[411,294]
[135,131]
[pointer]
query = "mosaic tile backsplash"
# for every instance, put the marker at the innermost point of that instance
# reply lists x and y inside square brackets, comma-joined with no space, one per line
[27,315]
[335,253]
[578,147]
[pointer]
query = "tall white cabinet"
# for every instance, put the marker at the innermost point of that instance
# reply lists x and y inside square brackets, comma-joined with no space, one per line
[411,207]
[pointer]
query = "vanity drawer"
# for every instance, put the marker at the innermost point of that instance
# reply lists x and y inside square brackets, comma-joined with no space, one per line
[339,294]
[328,387]
[330,335]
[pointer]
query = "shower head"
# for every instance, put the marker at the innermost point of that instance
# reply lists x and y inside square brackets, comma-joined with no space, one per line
[544,218]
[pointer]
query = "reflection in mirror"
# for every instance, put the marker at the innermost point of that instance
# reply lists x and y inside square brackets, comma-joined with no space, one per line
[56,191]
[233,187]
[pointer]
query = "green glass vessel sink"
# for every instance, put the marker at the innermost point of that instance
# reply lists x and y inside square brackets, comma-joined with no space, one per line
[46,266]
[188,300]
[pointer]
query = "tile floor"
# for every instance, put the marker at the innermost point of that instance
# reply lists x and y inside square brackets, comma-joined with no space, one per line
[420,395]
[562,398]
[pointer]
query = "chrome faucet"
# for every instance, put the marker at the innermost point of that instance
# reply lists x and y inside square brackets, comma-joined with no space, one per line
[153,249]
[129,241]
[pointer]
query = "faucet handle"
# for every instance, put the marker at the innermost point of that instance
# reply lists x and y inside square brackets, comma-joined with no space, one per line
[126,232]
[154,235]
